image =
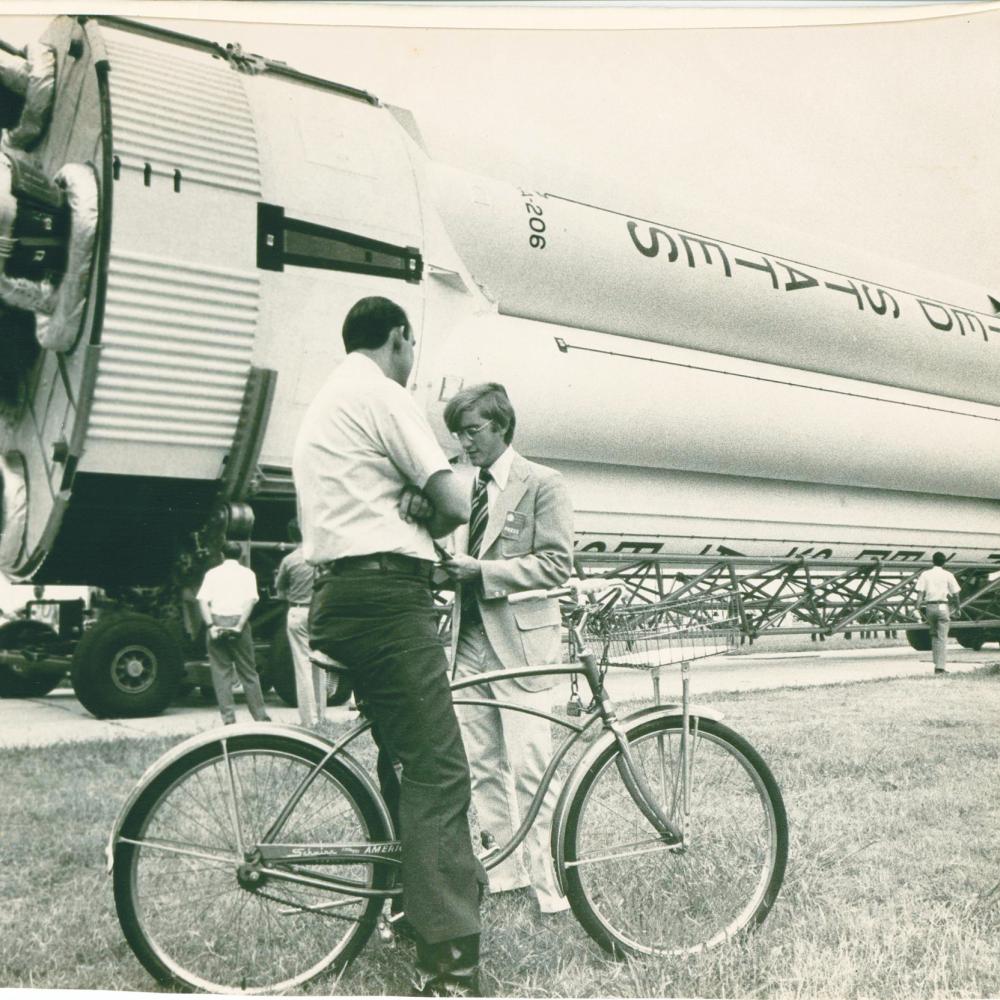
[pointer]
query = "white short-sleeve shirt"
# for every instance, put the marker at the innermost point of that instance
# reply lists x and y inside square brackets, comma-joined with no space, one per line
[363,439]
[935,584]
[229,588]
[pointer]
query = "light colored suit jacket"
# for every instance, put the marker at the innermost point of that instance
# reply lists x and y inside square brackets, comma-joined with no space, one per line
[528,545]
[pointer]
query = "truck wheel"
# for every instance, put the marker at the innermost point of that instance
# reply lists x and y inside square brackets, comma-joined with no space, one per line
[19,682]
[919,639]
[127,665]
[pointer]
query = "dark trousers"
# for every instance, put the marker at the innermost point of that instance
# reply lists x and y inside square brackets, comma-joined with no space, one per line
[381,626]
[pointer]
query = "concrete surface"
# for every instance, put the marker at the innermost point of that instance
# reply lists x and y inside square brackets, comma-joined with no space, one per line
[58,717]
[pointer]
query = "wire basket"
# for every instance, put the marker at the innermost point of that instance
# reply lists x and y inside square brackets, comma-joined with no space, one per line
[647,636]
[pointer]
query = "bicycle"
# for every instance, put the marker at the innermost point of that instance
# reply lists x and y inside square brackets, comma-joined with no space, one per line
[253,859]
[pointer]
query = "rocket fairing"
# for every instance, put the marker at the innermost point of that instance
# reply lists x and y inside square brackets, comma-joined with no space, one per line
[212,217]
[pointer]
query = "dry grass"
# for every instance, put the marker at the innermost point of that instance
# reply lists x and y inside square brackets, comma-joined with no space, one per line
[892,886]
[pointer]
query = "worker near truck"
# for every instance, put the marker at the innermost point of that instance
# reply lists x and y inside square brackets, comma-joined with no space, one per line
[364,456]
[226,597]
[937,592]
[520,537]
[294,585]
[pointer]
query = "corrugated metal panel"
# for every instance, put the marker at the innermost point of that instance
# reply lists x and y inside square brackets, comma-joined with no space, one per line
[178,111]
[175,352]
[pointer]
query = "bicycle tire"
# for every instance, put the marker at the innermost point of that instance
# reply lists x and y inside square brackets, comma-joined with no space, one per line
[635,896]
[188,919]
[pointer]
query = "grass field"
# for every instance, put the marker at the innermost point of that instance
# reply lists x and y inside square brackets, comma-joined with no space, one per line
[892,890]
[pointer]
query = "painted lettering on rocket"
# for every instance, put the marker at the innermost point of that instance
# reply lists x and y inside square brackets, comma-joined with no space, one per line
[653,249]
[652,240]
[947,318]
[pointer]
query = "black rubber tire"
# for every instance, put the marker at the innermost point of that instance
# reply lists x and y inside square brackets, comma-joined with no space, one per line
[281,669]
[206,902]
[919,639]
[33,684]
[671,892]
[970,638]
[107,655]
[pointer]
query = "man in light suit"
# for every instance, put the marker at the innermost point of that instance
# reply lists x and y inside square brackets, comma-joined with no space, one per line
[519,537]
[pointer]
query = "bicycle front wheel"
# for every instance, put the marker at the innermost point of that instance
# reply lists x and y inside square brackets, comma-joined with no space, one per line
[196,915]
[634,894]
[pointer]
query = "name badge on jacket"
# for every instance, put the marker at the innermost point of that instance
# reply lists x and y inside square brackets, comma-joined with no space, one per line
[514,524]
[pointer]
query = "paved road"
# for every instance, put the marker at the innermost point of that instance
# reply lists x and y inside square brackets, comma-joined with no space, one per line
[59,717]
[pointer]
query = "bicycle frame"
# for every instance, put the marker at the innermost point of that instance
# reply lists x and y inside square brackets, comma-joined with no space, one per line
[261,858]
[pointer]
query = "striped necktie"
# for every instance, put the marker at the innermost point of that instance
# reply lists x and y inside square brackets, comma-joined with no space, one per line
[480,513]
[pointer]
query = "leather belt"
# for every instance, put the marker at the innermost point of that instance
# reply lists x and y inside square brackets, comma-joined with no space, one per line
[296,604]
[377,562]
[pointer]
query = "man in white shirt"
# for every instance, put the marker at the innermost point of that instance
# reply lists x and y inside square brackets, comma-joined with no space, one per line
[520,537]
[937,590]
[374,489]
[227,596]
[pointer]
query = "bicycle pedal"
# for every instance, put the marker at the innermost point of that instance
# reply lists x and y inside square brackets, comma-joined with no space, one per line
[386,934]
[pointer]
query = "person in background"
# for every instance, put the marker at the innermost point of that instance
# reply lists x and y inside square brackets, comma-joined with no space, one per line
[937,591]
[294,584]
[520,537]
[227,595]
[374,489]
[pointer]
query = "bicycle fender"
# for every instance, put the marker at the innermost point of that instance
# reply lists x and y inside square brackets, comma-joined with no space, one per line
[561,815]
[200,740]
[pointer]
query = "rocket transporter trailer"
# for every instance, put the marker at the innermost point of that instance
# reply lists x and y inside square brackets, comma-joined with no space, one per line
[183,227]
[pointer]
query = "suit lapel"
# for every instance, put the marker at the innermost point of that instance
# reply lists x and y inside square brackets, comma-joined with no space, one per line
[508,499]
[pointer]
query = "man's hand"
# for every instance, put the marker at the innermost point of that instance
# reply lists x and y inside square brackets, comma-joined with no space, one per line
[214,631]
[461,568]
[414,507]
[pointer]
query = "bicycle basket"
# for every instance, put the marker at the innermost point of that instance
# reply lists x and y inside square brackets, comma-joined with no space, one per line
[651,635]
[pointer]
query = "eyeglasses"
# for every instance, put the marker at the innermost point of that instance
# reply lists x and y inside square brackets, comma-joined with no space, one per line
[471,432]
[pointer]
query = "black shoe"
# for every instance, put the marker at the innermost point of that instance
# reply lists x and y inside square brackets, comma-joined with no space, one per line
[447,968]
[940,670]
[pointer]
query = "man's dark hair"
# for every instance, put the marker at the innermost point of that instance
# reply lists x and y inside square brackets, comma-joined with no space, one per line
[938,559]
[369,322]
[232,550]
[493,403]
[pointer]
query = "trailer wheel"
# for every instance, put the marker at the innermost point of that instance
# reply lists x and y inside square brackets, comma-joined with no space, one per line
[919,639]
[127,665]
[281,669]
[14,681]
[970,638]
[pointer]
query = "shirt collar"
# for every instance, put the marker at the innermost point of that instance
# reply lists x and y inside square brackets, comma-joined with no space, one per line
[364,364]
[500,469]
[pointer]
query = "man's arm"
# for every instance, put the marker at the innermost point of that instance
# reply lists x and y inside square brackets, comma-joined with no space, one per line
[452,502]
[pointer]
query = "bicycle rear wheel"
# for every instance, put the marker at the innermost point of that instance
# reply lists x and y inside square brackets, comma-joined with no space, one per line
[194,917]
[632,893]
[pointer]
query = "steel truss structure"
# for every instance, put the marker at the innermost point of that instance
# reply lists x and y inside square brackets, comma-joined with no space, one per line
[799,595]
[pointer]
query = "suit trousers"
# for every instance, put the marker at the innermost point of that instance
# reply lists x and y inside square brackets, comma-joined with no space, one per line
[509,752]
[229,658]
[382,627]
[939,619]
[310,680]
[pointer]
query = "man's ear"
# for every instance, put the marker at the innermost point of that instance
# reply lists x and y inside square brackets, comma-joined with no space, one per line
[396,337]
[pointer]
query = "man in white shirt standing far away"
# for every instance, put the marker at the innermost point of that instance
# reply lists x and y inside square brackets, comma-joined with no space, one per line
[937,590]
[375,488]
[227,596]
